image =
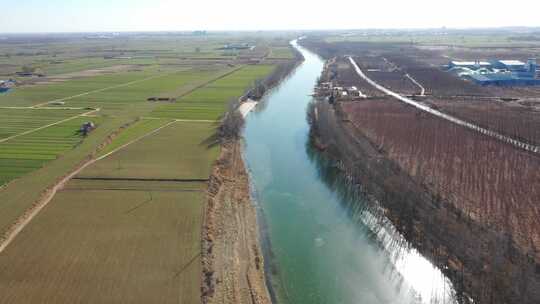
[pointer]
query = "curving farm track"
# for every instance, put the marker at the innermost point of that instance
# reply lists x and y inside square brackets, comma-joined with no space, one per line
[496,135]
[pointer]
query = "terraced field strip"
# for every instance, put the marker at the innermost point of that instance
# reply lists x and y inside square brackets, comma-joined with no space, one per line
[452,119]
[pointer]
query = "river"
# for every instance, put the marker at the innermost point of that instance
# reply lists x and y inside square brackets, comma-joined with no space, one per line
[324,247]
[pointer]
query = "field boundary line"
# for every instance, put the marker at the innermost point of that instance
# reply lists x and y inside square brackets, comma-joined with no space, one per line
[32,212]
[212,80]
[179,120]
[28,215]
[46,126]
[134,141]
[138,81]
[104,89]
[450,118]
[43,108]
[135,179]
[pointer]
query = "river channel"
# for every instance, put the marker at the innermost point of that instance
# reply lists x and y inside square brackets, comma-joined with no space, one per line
[322,246]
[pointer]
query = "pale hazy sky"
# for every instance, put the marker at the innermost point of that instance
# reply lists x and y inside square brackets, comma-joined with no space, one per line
[170,15]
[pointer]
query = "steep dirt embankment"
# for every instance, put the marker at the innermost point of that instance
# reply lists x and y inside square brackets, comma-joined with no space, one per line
[483,259]
[232,260]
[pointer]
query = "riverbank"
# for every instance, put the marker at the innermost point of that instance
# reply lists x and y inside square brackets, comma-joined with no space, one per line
[233,266]
[232,259]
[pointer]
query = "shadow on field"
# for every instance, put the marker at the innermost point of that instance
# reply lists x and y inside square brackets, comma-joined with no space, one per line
[213,140]
[229,127]
[193,259]
[150,199]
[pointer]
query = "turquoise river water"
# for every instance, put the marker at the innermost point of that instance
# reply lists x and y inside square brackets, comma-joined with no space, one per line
[321,245]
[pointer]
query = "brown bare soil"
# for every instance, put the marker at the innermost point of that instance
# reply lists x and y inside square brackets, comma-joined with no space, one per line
[395,81]
[232,260]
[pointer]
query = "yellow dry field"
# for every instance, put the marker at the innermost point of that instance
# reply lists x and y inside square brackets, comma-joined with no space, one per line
[103,246]
[133,237]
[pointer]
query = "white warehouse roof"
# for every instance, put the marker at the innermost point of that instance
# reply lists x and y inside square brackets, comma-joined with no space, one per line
[469,63]
[511,62]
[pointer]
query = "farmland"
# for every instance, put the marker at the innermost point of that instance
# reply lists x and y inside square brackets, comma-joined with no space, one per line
[101,246]
[16,121]
[210,101]
[180,153]
[129,224]
[24,154]
[94,227]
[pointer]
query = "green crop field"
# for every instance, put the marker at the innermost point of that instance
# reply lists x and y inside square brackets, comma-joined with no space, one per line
[42,93]
[138,129]
[16,121]
[29,152]
[210,101]
[127,228]
[162,85]
[177,151]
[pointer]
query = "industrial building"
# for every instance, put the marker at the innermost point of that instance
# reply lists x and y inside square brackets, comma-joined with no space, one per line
[497,72]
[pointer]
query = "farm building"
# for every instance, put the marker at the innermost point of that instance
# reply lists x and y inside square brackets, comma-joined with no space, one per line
[87,127]
[510,65]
